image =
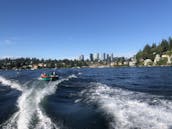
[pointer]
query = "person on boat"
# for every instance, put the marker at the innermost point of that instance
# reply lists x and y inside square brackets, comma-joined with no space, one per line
[54,75]
[49,77]
[44,75]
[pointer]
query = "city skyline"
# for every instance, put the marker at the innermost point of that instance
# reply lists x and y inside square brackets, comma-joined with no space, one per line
[97,57]
[67,29]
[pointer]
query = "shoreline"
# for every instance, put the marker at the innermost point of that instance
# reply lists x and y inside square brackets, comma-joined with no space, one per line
[92,67]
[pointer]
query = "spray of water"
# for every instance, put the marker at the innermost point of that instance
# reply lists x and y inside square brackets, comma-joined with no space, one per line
[13,84]
[124,109]
[29,105]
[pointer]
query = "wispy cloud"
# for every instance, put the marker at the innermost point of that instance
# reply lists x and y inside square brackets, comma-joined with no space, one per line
[8,42]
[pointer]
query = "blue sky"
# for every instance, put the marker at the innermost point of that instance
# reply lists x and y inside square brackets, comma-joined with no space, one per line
[68,28]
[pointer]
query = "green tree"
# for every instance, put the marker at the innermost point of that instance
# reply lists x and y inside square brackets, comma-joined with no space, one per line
[164,46]
[147,48]
[170,43]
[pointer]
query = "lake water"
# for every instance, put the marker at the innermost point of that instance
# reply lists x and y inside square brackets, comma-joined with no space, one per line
[107,98]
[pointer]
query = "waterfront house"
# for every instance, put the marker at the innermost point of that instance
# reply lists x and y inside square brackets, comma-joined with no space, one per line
[126,63]
[157,59]
[148,62]
[168,58]
[132,63]
[34,66]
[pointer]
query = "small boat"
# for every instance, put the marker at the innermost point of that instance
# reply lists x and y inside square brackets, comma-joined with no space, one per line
[49,77]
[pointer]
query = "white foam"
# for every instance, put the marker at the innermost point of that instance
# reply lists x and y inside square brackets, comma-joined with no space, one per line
[10,83]
[79,73]
[72,76]
[77,100]
[29,106]
[26,109]
[44,121]
[11,123]
[127,111]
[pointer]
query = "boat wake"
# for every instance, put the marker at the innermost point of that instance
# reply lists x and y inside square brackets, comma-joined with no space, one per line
[129,110]
[30,113]
[13,84]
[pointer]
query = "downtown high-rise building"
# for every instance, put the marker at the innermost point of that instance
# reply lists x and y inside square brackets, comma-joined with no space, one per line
[96,57]
[104,57]
[112,58]
[91,57]
[101,57]
[81,57]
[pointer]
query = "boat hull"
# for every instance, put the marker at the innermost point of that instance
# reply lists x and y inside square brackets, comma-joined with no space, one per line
[49,78]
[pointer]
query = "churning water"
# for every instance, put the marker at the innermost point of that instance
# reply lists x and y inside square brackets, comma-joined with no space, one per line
[107,98]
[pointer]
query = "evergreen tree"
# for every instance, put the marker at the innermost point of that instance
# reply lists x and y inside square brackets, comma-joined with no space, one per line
[170,43]
[164,45]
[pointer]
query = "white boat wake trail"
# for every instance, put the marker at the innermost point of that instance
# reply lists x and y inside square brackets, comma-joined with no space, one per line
[29,105]
[129,110]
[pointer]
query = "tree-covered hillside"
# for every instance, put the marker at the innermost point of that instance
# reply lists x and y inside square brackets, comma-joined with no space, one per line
[150,51]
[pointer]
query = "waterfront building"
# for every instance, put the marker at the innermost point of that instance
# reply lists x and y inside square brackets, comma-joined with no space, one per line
[96,57]
[91,57]
[111,57]
[148,62]
[103,57]
[168,58]
[126,63]
[81,58]
[34,66]
[157,59]
[108,58]
[133,61]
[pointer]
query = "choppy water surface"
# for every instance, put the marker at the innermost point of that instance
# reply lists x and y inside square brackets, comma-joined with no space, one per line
[107,98]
